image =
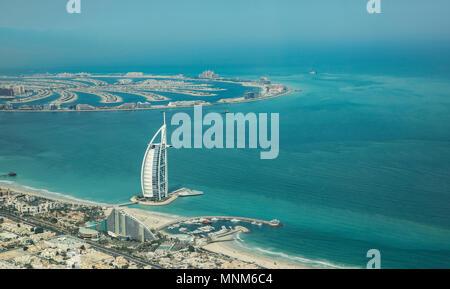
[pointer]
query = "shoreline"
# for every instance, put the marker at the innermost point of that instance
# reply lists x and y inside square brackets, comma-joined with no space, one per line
[53,196]
[227,248]
[156,220]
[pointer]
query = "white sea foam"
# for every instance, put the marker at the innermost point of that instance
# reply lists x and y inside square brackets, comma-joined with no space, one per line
[315,263]
[290,258]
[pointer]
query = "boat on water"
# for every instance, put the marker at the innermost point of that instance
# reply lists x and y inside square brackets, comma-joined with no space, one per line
[204,229]
[235,220]
[223,230]
[207,228]
[12,174]
[182,229]
[207,222]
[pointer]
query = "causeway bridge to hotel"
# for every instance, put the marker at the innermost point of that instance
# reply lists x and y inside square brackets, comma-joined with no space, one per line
[126,204]
[273,223]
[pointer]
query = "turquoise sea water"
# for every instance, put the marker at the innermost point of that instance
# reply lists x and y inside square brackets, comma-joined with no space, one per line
[364,163]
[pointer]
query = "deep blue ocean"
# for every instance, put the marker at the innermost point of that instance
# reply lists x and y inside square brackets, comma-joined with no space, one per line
[364,164]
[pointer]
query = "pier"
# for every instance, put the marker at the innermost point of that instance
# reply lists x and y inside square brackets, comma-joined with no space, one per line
[185,192]
[126,204]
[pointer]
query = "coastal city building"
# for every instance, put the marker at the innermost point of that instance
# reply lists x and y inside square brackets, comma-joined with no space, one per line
[51,106]
[78,234]
[265,80]
[26,204]
[208,74]
[19,90]
[84,107]
[134,74]
[121,224]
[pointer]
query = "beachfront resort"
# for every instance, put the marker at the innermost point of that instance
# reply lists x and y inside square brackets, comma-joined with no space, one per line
[49,232]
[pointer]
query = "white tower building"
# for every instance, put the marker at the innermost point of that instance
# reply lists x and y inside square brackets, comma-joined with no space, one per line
[154,167]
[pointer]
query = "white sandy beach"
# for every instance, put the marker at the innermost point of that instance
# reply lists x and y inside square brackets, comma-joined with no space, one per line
[226,248]
[53,196]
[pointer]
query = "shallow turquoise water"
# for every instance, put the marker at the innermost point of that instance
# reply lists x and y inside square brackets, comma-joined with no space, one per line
[364,163]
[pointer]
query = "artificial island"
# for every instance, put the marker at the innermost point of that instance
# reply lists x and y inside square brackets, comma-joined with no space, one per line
[129,91]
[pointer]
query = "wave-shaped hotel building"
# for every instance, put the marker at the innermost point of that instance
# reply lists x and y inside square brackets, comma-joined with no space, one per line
[154,181]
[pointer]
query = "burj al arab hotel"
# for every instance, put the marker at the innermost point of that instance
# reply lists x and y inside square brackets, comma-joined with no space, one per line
[154,167]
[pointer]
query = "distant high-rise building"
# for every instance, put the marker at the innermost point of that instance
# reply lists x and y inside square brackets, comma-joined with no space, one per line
[19,90]
[265,80]
[154,167]
[208,74]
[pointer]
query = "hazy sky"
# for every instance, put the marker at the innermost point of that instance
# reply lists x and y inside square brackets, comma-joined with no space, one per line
[151,32]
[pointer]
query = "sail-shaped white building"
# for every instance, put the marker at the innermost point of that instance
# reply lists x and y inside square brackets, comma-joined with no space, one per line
[154,167]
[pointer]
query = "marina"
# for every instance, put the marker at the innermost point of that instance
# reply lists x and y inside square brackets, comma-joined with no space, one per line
[194,220]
